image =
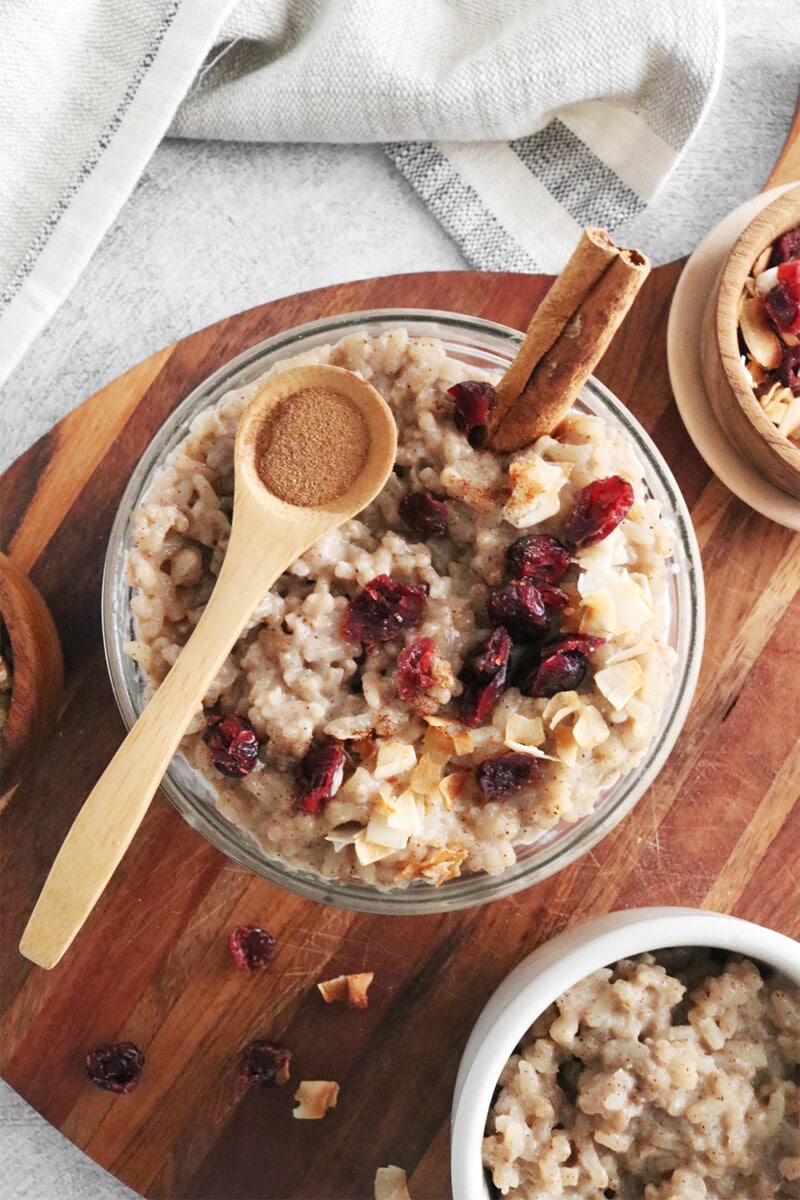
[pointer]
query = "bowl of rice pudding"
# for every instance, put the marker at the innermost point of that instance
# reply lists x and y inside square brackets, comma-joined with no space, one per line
[651,1053]
[453,695]
[750,348]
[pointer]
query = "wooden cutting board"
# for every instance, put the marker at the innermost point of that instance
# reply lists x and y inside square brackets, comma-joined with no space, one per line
[717,829]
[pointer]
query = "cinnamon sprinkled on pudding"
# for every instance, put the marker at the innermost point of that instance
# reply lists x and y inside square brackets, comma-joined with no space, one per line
[312,447]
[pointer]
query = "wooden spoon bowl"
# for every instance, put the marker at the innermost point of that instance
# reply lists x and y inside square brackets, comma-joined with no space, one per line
[38,674]
[729,386]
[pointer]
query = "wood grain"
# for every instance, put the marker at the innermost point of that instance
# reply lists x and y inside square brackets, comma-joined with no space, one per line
[719,827]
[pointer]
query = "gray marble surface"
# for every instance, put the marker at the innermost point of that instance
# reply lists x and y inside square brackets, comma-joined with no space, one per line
[216,228]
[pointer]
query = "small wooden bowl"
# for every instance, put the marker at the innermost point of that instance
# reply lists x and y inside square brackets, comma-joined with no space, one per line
[37,674]
[730,391]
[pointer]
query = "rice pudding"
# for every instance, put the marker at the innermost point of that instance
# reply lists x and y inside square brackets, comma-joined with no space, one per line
[371,749]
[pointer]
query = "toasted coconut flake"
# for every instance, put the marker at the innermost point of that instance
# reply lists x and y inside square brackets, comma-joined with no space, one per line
[534,751]
[333,989]
[443,864]
[463,741]
[643,584]
[386,800]
[390,1184]
[315,1097]
[394,758]
[598,615]
[356,784]
[407,814]
[529,731]
[427,775]
[455,786]
[379,832]
[602,556]
[563,700]
[369,852]
[590,729]
[629,603]
[448,724]
[759,337]
[631,645]
[345,835]
[487,739]
[619,682]
[437,743]
[349,989]
[535,486]
[566,710]
[525,735]
[566,746]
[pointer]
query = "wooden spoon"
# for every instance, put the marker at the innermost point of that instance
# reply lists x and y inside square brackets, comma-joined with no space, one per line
[267,535]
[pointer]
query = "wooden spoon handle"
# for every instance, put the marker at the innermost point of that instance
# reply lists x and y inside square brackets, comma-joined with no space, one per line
[119,800]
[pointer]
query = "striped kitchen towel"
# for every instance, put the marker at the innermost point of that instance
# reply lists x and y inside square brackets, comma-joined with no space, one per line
[517,121]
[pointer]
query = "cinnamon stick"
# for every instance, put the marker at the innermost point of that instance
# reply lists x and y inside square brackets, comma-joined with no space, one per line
[568,335]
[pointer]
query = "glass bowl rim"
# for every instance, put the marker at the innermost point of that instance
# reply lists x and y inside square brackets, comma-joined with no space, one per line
[473,889]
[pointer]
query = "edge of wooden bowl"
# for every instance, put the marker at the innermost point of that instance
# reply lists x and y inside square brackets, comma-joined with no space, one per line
[730,391]
[38,673]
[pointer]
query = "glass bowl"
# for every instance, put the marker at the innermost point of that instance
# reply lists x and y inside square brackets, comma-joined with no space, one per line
[489,347]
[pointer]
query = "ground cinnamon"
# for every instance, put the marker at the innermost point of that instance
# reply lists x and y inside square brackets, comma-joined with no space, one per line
[312,447]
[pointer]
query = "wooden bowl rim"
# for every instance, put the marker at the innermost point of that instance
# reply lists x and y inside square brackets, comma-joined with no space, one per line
[782,214]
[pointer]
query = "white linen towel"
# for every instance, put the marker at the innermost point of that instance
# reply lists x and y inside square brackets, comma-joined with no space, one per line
[517,121]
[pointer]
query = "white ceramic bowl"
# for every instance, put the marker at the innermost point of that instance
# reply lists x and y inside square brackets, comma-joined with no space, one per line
[550,970]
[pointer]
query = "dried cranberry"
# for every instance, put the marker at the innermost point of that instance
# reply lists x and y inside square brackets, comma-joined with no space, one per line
[553,597]
[789,369]
[251,947]
[492,655]
[423,513]
[319,776]
[383,609]
[600,508]
[265,1063]
[497,777]
[781,307]
[786,247]
[414,666]
[585,642]
[559,671]
[520,607]
[232,742]
[485,677]
[537,556]
[474,403]
[115,1067]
